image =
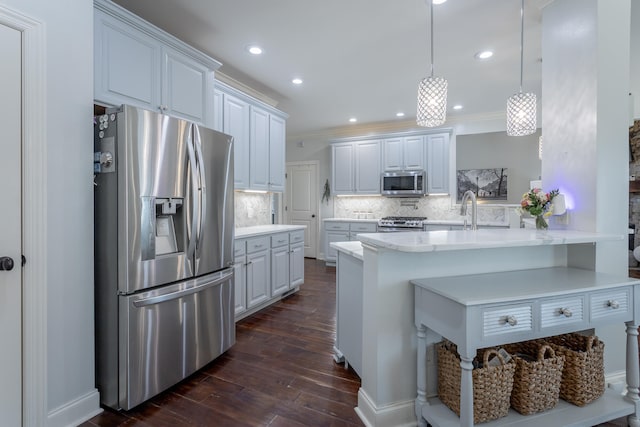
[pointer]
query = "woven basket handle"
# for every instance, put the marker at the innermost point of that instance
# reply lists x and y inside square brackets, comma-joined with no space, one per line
[543,349]
[489,353]
[592,342]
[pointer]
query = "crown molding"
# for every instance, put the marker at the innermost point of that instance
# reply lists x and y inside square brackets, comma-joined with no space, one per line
[230,81]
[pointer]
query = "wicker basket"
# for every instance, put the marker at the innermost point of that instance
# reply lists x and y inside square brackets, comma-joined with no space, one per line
[491,384]
[536,382]
[583,373]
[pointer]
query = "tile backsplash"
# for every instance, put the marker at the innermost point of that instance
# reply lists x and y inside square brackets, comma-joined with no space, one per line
[252,209]
[433,207]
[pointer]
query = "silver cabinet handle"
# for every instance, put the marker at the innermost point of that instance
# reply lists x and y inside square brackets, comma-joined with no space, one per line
[566,312]
[511,320]
[613,304]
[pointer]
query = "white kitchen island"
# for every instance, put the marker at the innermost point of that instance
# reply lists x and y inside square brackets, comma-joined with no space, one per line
[390,261]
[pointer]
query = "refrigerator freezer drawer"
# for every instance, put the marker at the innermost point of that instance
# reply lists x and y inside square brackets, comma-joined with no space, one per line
[168,334]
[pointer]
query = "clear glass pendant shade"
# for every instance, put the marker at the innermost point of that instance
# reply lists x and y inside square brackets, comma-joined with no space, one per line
[521,114]
[432,101]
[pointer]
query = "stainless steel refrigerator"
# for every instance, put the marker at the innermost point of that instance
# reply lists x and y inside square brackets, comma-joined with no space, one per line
[163,252]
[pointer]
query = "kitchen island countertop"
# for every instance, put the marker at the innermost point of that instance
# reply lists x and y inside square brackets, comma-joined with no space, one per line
[432,241]
[258,230]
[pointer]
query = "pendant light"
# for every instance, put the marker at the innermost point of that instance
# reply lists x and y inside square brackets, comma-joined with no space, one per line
[432,94]
[521,107]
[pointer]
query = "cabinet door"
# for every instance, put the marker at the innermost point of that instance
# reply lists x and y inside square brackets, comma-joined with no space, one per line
[276,153]
[187,88]
[236,123]
[334,236]
[296,264]
[343,168]
[392,154]
[279,270]
[413,153]
[258,149]
[258,278]
[126,64]
[438,163]
[367,159]
[240,283]
[218,111]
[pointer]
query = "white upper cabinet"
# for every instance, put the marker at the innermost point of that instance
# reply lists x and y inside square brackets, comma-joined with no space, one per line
[259,149]
[136,63]
[438,163]
[236,123]
[367,168]
[343,168]
[403,153]
[277,149]
[356,167]
[356,164]
[187,88]
[259,134]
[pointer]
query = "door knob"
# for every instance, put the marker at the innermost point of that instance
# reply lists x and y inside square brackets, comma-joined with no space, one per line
[313,215]
[6,263]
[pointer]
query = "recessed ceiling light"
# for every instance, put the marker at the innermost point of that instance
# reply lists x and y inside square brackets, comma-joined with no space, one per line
[457,107]
[296,81]
[485,54]
[400,114]
[353,120]
[254,50]
[439,1]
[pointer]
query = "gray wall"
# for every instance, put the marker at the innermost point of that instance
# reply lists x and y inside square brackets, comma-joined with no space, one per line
[497,150]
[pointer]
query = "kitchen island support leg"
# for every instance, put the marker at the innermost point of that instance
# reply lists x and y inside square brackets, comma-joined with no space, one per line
[633,373]
[466,387]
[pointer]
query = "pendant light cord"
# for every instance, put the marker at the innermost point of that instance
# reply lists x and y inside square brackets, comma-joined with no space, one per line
[431,16]
[521,42]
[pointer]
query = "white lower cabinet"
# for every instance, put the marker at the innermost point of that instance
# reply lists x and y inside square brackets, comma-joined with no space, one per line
[266,267]
[343,231]
[258,273]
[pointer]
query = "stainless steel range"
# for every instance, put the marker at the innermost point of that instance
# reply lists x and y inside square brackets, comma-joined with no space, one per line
[401,223]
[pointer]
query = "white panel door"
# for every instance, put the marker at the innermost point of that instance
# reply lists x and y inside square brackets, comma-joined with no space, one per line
[259,149]
[367,161]
[236,123]
[185,84]
[277,139]
[10,227]
[127,64]
[302,202]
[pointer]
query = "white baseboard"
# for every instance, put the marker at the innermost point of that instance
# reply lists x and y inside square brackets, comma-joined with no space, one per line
[76,412]
[399,414]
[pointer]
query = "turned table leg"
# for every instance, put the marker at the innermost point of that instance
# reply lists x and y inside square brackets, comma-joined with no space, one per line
[421,399]
[633,373]
[466,388]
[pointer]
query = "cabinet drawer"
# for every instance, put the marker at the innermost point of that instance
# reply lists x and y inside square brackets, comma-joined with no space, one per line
[507,320]
[559,312]
[280,239]
[296,236]
[339,226]
[610,304]
[257,244]
[366,227]
[238,247]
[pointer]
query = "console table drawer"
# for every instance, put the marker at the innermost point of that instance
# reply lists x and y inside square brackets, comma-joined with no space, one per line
[612,303]
[507,320]
[559,312]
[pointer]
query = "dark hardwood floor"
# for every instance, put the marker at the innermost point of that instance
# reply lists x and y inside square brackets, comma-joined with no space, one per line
[280,372]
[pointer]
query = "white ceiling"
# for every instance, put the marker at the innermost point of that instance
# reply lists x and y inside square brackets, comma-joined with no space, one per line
[360,58]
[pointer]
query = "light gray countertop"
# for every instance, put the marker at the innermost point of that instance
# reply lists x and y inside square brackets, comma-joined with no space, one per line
[353,248]
[258,230]
[431,241]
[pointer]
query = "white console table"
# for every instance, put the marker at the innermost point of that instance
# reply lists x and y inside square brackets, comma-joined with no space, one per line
[482,310]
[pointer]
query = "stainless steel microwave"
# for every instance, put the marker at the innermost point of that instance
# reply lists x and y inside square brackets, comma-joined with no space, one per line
[404,183]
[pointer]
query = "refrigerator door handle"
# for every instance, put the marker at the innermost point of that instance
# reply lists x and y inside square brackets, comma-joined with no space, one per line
[195,219]
[197,142]
[223,277]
